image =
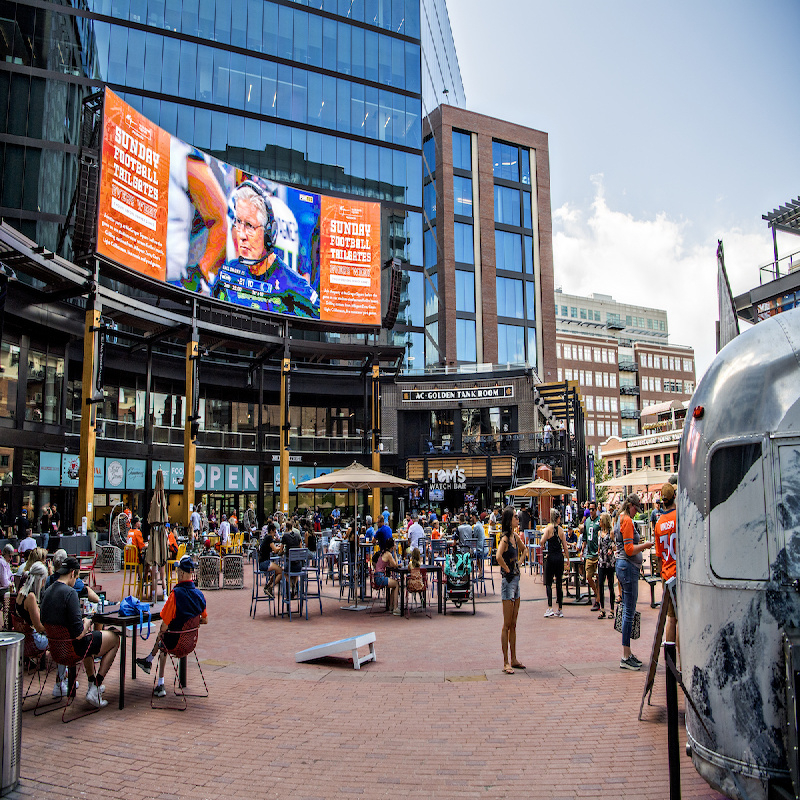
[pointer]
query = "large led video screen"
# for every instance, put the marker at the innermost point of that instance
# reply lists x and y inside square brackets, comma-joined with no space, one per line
[176,214]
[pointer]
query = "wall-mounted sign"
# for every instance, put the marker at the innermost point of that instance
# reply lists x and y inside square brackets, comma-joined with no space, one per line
[115,473]
[49,469]
[454,478]
[458,394]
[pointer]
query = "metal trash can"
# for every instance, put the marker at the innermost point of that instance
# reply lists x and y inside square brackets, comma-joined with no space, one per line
[12,646]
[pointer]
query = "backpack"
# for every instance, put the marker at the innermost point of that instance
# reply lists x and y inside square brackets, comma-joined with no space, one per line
[130,606]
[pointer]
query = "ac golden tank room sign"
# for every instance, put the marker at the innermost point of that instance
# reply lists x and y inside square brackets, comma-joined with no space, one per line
[457,393]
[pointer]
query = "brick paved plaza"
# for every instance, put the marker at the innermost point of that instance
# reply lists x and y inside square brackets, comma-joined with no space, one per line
[433,717]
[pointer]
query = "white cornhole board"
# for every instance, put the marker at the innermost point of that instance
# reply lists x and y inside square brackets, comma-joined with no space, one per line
[352,644]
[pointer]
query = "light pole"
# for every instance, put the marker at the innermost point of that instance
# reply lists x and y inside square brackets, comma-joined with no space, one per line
[314,510]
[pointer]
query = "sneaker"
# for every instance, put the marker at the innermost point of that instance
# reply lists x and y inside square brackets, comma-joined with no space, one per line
[635,660]
[268,593]
[549,613]
[144,665]
[61,689]
[95,697]
[558,613]
[596,607]
[160,691]
[396,612]
[626,663]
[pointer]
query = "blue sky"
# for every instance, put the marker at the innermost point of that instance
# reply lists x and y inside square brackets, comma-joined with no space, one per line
[671,124]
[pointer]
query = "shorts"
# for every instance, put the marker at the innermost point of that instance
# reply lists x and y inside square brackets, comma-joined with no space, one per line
[381,580]
[88,645]
[509,589]
[40,640]
[591,568]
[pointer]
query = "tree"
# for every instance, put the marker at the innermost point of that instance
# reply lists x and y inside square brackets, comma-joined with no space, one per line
[600,476]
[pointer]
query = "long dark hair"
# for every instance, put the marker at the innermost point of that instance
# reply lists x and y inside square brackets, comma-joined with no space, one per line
[505,523]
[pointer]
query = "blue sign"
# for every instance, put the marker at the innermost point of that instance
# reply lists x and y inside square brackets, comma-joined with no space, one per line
[49,469]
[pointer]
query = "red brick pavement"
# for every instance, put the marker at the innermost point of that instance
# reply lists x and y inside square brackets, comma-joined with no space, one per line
[434,717]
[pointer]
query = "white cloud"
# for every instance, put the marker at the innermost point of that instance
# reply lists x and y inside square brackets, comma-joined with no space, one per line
[659,263]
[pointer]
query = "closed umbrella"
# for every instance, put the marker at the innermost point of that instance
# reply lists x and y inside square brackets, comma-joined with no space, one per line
[157,546]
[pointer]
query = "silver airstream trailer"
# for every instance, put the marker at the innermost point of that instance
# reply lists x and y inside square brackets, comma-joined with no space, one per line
[739,564]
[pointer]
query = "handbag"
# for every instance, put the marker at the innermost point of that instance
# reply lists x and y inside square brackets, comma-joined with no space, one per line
[130,606]
[637,622]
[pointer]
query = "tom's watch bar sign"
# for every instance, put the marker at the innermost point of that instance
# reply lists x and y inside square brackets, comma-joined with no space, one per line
[457,393]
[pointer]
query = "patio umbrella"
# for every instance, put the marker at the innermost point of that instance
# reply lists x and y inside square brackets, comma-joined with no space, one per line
[157,546]
[355,477]
[641,477]
[541,488]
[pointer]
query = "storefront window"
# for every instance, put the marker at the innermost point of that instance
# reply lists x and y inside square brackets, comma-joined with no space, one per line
[9,361]
[6,465]
[30,467]
[45,378]
[167,410]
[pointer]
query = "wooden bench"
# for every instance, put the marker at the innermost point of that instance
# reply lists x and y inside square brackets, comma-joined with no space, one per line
[340,646]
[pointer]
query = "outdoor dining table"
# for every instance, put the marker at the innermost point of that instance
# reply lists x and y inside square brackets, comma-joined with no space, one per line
[574,564]
[402,572]
[123,622]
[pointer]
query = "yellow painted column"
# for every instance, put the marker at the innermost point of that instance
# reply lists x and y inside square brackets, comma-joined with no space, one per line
[286,366]
[189,447]
[88,421]
[376,425]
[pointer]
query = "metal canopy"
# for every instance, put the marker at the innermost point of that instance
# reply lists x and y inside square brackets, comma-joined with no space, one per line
[786,218]
[558,396]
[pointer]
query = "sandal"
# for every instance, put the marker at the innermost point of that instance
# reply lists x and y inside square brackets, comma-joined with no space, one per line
[508,671]
[601,615]
[519,666]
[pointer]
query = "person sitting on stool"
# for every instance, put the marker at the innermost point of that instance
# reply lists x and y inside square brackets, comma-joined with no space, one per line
[185,602]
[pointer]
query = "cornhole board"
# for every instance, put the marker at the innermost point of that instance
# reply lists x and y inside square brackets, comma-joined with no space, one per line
[340,646]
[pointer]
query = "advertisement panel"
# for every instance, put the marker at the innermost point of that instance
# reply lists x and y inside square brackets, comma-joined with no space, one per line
[176,214]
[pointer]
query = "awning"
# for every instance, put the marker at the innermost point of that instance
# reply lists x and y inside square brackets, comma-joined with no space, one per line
[662,408]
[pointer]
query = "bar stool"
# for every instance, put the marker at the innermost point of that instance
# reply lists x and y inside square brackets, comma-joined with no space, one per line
[131,571]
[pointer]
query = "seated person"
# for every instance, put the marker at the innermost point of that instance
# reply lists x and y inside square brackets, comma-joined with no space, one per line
[60,606]
[292,539]
[369,533]
[28,543]
[172,542]
[383,536]
[5,569]
[415,582]
[37,555]
[463,531]
[185,602]
[435,532]
[136,538]
[59,557]
[270,546]
[381,561]
[572,539]
[310,537]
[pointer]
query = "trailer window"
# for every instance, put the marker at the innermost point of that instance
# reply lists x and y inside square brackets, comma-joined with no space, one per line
[737,527]
[789,507]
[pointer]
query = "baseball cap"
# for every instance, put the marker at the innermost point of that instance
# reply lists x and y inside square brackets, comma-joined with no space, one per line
[186,564]
[667,492]
[633,499]
[69,564]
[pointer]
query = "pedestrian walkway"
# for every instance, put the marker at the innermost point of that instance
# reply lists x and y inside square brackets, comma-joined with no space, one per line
[433,717]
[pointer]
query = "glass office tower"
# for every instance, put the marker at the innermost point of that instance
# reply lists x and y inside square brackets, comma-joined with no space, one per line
[328,94]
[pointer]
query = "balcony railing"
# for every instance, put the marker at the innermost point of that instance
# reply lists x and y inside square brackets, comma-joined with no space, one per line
[317,444]
[629,413]
[629,390]
[628,366]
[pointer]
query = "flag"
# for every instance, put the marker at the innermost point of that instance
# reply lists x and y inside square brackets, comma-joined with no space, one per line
[728,321]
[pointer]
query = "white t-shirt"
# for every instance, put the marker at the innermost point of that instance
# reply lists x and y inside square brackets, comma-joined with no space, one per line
[196,522]
[414,532]
[27,544]
[224,532]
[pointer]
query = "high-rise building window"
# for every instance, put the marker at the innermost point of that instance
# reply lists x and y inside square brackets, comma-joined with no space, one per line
[463,246]
[525,165]
[510,344]
[465,291]
[506,205]
[430,247]
[508,251]
[429,152]
[526,210]
[506,161]
[9,377]
[431,296]
[509,298]
[431,353]
[412,300]
[563,311]
[462,158]
[530,302]
[462,196]
[465,340]
[533,352]
[529,258]
[429,199]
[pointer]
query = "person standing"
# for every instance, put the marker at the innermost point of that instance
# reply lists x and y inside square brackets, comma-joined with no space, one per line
[554,548]
[629,562]
[666,538]
[508,551]
[548,436]
[195,524]
[22,526]
[605,565]
[590,531]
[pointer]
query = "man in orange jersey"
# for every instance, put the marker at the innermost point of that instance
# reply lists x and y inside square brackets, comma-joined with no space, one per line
[666,534]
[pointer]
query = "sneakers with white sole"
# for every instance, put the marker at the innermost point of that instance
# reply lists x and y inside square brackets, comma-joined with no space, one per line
[628,663]
[558,613]
[61,689]
[549,613]
[95,696]
[160,691]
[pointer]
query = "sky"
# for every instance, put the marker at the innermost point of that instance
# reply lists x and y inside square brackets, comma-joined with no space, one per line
[671,125]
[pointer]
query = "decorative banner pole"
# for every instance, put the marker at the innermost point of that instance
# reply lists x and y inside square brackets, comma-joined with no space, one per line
[191,427]
[376,435]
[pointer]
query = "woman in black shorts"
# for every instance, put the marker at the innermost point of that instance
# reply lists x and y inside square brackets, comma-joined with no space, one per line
[554,546]
[508,550]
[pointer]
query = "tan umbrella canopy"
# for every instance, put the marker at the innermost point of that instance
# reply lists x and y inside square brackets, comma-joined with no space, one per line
[541,488]
[356,476]
[641,477]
